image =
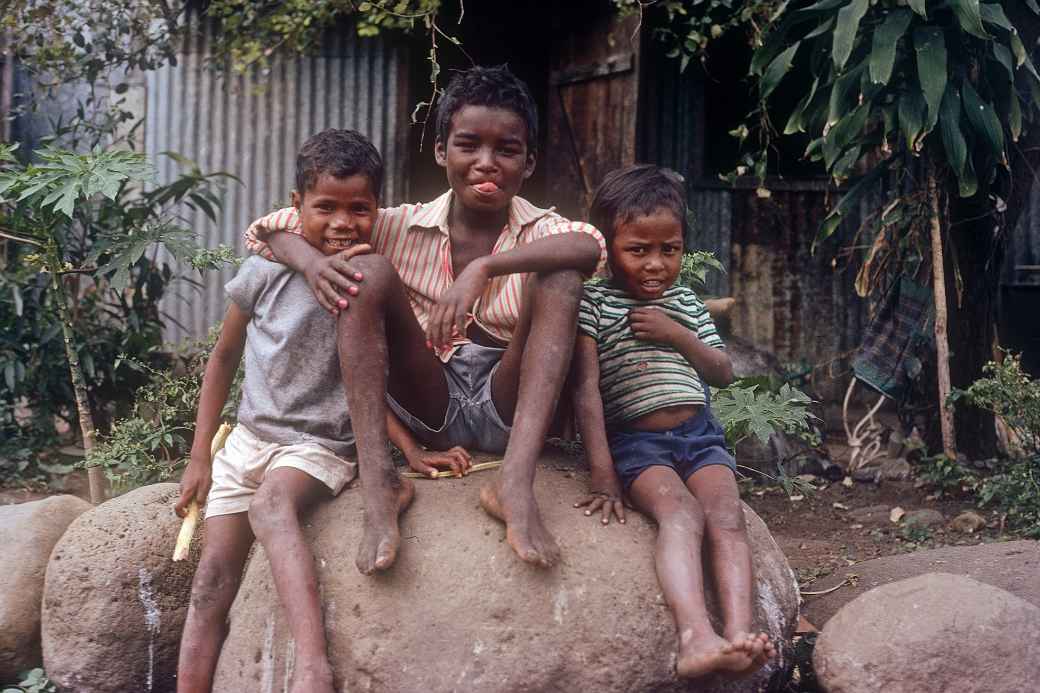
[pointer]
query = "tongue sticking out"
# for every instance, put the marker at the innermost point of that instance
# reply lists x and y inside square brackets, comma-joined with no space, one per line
[486,187]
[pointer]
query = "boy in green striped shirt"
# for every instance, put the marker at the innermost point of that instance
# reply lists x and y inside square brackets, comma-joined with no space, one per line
[647,350]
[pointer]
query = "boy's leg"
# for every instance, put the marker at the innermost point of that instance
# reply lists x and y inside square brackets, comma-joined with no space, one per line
[274,516]
[659,492]
[525,389]
[224,553]
[715,487]
[379,333]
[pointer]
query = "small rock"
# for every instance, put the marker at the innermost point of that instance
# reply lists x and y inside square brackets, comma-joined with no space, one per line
[877,514]
[968,522]
[895,470]
[926,517]
[899,638]
[867,475]
[847,482]
[896,445]
[896,514]
[915,447]
[28,532]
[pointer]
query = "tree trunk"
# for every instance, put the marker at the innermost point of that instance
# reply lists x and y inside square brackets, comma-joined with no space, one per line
[942,344]
[95,475]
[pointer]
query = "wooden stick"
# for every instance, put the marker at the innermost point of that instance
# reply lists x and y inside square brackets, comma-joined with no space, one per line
[191,519]
[942,343]
[479,467]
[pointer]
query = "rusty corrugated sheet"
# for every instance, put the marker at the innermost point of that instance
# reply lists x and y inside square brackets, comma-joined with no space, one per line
[251,127]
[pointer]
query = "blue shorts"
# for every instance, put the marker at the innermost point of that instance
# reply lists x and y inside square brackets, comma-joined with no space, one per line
[692,445]
[471,420]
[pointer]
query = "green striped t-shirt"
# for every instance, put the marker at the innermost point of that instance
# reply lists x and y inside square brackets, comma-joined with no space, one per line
[637,377]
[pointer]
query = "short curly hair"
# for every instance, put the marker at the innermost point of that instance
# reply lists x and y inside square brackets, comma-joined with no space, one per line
[493,87]
[637,190]
[341,154]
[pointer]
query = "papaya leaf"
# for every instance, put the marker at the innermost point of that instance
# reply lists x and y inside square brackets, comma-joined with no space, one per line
[780,66]
[845,31]
[969,16]
[984,121]
[930,45]
[886,39]
[992,13]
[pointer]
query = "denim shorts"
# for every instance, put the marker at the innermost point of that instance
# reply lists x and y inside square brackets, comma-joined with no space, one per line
[471,419]
[692,445]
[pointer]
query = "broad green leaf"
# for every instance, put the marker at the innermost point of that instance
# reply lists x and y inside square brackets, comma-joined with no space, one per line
[992,13]
[1014,115]
[969,15]
[886,39]
[912,113]
[844,133]
[845,31]
[930,45]
[795,122]
[1019,50]
[918,6]
[1033,6]
[826,5]
[1003,56]
[953,139]
[820,30]
[984,121]
[780,66]
[845,93]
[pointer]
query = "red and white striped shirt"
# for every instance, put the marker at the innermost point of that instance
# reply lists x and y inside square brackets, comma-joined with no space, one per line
[415,239]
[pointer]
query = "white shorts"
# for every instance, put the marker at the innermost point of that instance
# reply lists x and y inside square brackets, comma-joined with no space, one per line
[242,464]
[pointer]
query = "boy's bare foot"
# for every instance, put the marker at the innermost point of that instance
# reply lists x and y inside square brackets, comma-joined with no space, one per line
[312,680]
[525,532]
[759,649]
[382,536]
[711,654]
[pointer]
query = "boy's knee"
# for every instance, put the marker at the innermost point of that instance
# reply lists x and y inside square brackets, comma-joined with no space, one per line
[213,579]
[269,509]
[681,512]
[375,269]
[724,515]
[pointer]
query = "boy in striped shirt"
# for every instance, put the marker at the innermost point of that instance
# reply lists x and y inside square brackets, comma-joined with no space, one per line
[464,314]
[646,352]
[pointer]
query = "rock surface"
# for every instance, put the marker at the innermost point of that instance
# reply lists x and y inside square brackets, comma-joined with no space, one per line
[114,601]
[933,633]
[1012,566]
[459,612]
[924,518]
[28,533]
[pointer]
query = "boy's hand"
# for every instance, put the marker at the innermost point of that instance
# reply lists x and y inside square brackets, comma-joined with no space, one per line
[195,484]
[448,317]
[605,496]
[427,462]
[654,325]
[332,278]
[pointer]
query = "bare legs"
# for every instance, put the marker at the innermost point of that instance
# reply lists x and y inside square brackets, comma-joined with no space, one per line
[274,519]
[526,389]
[228,539]
[708,504]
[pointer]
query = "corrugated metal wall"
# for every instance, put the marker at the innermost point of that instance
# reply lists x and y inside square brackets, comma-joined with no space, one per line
[251,127]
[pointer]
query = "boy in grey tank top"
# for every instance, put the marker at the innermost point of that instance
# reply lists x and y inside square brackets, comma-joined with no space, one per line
[293,445]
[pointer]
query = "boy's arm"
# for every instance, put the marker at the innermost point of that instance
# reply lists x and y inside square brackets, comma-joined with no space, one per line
[604,485]
[564,251]
[216,383]
[277,236]
[652,324]
[426,462]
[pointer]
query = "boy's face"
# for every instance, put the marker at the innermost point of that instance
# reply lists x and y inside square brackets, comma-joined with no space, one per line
[486,157]
[336,213]
[646,254]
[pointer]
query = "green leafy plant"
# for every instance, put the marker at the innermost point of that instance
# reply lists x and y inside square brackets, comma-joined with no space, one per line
[80,248]
[946,476]
[1015,492]
[695,267]
[748,410]
[32,681]
[1011,394]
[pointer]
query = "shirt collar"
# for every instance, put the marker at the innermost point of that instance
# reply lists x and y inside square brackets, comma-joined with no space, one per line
[434,214]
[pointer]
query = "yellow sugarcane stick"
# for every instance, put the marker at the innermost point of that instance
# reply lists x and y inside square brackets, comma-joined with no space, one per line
[479,467]
[191,519]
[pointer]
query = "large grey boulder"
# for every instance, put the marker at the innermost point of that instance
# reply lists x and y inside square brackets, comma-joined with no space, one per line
[459,611]
[28,533]
[931,634]
[114,602]
[1013,566]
